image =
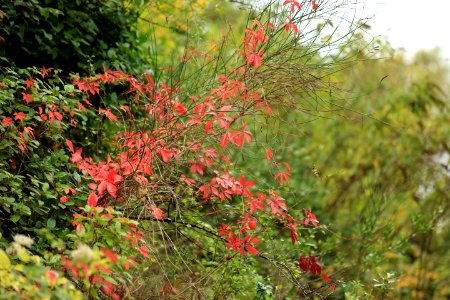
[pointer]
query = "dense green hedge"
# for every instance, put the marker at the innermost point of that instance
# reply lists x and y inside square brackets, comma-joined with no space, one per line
[69,35]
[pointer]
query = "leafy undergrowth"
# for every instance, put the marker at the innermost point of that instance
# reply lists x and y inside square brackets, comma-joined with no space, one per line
[116,177]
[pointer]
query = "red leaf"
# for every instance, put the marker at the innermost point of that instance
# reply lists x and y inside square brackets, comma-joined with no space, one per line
[102,187]
[92,200]
[70,190]
[111,188]
[293,232]
[76,157]
[7,122]
[224,230]
[179,109]
[51,276]
[251,249]
[109,254]
[310,218]
[166,155]
[107,113]
[27,97]
[269,154]
[326,278]
[289,25]
[257,203]
[294,4]
[29,82]
[275,203]
[44,72]
[156,212]
[144,251]
[254,58]
[239,140]
[208,126]
[197,168]
[70,145]
[19,116]
[224,139]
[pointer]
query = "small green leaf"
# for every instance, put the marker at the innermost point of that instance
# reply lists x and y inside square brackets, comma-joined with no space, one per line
[51,223]
[76,176]
[69,88]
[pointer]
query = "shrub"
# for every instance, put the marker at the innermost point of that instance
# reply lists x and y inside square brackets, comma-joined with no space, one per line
[68,35]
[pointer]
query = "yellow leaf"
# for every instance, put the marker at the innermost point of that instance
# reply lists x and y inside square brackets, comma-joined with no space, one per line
[4,260]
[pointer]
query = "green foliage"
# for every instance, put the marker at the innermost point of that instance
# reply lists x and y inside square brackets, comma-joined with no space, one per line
[35,172]
[378,172]
[23,274]
[43,33]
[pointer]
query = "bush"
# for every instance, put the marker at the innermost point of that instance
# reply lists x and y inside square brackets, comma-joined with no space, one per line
[68,35]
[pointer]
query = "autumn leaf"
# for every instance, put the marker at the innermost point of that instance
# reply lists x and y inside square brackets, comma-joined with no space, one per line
[109,179]
[27,97]
[224,230]
[269,154]
[248,240]
[294,4]
[51,276]
[166,155]
[107,113]
[92,200]
[156,212]
[290,25]
[20,116]
[197,168]
[285,175]
[310,264]
[276,202]
[256,203]
[255,59]
[293,232]
[144,251]
[109,254]
[76,157]
[70,145]
[179,109]
[310,218]
[7,122]
[29,82]
[44,72]
[326,278]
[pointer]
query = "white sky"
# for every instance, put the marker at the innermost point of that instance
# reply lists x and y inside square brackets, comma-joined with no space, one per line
[410,24]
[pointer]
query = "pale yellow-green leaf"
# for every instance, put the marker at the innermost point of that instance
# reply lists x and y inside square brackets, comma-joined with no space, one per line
[4,260]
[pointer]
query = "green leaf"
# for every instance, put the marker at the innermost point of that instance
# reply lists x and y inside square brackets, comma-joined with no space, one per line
[51,223]
[77,176]
[69,88]
[6,144]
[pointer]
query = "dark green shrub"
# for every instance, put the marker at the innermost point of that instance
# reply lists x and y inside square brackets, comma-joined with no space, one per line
[69,35]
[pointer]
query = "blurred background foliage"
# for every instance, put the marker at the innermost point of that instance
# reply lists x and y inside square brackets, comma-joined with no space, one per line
[372,159]
[369,146]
